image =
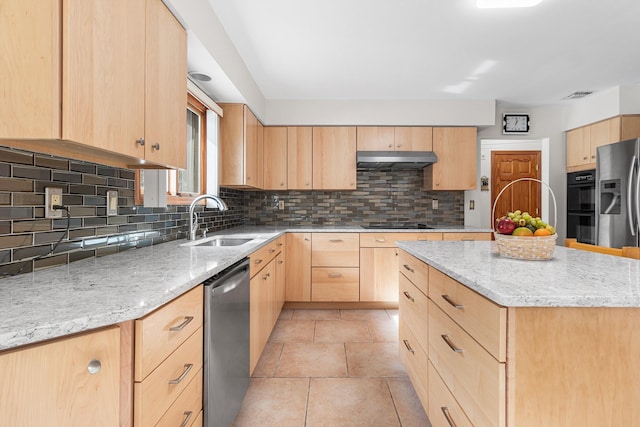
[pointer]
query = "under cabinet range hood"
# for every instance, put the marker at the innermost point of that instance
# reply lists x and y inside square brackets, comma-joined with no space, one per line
[395,159]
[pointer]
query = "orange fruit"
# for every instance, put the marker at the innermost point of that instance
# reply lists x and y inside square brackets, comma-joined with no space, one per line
[542,232]
[522,231]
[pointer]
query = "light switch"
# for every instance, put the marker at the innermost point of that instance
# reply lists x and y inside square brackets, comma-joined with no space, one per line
[112,203]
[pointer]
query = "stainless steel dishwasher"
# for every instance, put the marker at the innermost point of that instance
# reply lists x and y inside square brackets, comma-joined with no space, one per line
[226,344]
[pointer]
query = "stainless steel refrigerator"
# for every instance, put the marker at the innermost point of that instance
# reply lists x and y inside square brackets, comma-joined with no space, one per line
[617,194]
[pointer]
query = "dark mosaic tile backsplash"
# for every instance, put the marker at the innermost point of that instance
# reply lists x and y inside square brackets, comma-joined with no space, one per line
[382,197]
[25,234]
[27,238]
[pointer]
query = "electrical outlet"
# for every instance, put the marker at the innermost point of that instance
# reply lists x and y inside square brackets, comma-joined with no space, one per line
[112,203]
[281,205]
[52,197]
[472,205]
[434,204]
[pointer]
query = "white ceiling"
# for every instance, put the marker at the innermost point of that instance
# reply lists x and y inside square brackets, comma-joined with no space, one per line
[433,49]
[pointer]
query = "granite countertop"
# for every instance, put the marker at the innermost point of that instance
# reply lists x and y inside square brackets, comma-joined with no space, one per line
[97,292]
[573,278]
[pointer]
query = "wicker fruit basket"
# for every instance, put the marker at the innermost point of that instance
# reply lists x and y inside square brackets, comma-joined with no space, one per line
[526,247]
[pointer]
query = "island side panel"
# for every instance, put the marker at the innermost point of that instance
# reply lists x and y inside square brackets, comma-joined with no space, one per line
[573,367]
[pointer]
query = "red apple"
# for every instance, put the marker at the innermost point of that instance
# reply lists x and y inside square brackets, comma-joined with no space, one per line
[506,226]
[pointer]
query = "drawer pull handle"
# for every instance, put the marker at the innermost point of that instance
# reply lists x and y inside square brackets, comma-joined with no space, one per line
[468,239]
[448,299]
[409,268]
[335,275]
[408,295]
[266,276]
[450,344]
[280,262]
[258,261]
[406,344]
[187,368]
[335,240]
[447,415]
[188,415]
[382,240]
[181,326]
[279,244]
[94,366]
[271,251]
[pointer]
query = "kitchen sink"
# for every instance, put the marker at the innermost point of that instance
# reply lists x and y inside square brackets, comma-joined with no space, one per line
[220,241]
[223,241]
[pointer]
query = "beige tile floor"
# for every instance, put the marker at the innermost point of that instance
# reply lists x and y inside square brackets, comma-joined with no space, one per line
[332,368]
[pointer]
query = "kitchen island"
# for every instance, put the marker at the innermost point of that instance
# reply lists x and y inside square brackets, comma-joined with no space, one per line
[489,340]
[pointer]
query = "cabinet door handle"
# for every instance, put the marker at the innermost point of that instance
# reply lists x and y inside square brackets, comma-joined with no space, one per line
[266,276]
[406,344]
[335,275]
[408,268]
[94,366]
[187,417]
[280,262]
[258,261]
[335,240]
[140,141]
[187,368]
[450,344]
[155,146]
[408,295]
[271,251]
[279,244]
[181,326]
[447,415]
[448,299]
[381,240]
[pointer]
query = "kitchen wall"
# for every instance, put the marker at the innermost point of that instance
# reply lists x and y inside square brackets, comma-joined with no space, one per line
[382,196]
[26,234]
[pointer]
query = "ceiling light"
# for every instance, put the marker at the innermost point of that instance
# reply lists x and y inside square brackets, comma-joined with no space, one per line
[578,94]
[493,4]
[202,77]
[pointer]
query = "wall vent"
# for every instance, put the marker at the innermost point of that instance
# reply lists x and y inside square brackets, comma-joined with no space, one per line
[578,94]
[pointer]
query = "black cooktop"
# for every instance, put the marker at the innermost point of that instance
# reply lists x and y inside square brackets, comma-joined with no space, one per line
[397,227]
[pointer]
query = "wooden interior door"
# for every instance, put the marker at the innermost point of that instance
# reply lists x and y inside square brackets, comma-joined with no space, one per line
[507,166]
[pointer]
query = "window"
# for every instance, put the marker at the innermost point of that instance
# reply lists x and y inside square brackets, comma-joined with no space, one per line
[184,184]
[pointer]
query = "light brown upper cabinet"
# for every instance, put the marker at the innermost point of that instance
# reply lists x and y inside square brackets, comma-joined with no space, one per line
[103,77]
[334,158]
[299,158]
[583,142]
[275,158]
[456,148]
[165,124]
[407,138]
[241,149]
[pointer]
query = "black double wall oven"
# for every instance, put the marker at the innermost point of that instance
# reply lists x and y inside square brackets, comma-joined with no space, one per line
[581,206]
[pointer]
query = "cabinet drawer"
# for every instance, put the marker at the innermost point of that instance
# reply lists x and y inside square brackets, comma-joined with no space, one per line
[413,306]
[444,411]
[161,388]
[415,363]
[159,333]
[186,407]
[335,249]
[415,270]
[264,255]
[476,379]
[384,240]
[429,236]
[466,236]
[485,321]
[335,284]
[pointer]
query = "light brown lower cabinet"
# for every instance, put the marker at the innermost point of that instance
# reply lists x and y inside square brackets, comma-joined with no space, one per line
[265,293]
[490,365]
[168,362]
[298,267]
[67,382]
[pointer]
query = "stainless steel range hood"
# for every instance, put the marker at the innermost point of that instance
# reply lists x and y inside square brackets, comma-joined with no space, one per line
[395,159]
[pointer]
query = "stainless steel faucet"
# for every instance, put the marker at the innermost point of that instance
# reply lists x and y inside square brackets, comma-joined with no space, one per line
[193,217]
